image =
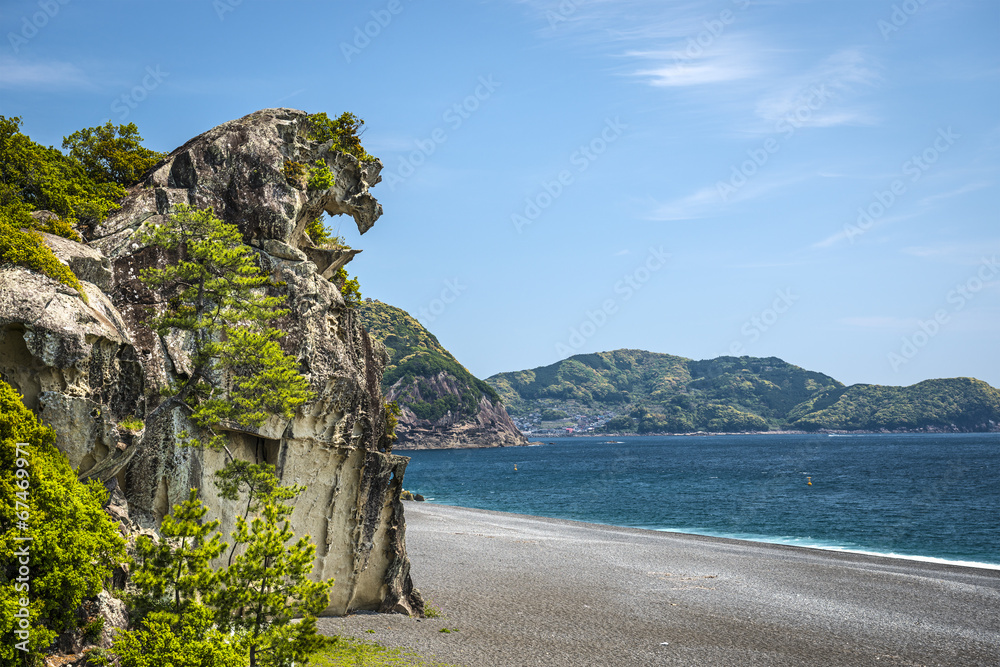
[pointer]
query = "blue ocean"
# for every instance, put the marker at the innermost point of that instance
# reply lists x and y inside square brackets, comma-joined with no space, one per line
[924,496]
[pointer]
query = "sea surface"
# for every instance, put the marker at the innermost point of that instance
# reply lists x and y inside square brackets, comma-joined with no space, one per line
[924,496]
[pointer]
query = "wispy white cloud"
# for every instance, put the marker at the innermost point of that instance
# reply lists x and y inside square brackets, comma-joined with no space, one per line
[831,240]
[819,96]
[691,207]
[968,254]
[852,231]
[18,74]
[290,95]
[970,187]
[879,322]
[679,70]
[706,201]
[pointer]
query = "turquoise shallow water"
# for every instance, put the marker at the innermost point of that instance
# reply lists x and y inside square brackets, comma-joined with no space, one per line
[923,496]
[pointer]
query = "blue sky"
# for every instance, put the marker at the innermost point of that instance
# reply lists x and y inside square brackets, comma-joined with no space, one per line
[812,180]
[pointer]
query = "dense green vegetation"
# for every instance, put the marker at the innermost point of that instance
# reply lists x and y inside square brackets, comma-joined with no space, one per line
[81,188]
[188,613]
[659,393]
[415,358]
[22,246]
[320,176]
[656,393]
[965,403]
[74,544]
[344,132]
[110,154]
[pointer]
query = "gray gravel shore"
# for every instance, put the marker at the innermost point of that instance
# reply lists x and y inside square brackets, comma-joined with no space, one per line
[520,590]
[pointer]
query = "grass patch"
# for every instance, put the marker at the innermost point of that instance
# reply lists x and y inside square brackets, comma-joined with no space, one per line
[131,423]
[430,611]
[350,652]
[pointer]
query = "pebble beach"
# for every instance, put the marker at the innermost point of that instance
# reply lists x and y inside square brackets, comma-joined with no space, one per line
[519,590]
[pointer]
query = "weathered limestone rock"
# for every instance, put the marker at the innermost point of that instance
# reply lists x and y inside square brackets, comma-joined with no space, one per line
[240,168]
[85,368]
[74,363]
[87,263]
[334,445]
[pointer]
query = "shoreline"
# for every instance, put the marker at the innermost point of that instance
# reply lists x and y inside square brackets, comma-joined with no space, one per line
[519,590]
[762,540]
[836,549]
[534,440]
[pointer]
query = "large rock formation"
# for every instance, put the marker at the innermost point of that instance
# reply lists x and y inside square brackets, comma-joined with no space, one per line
[443,405]
[86,367]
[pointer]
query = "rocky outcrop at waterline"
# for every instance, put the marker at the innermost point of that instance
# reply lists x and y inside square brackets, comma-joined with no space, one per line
[442,405]
[86,368]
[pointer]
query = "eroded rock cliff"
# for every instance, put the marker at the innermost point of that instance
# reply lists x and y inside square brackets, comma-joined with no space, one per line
[85,368]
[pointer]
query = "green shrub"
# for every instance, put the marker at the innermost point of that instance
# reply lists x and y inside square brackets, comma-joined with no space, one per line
[112,154]
[131,424]
[350,289]
[23,246]
[430,611]
[74,544]
[322,237]
[58,227]
[392,413]
[320,176]
[344,132]
[45,179]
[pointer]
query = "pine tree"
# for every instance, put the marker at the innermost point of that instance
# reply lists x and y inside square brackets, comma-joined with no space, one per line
[260,481]
[216,294]
[268,585]
[176,570]
[242,614]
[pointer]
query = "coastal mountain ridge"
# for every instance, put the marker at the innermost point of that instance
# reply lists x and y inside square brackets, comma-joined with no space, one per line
[442,404]
[636,391]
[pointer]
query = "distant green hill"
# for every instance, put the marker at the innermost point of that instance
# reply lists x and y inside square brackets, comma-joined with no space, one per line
[444,405]
[963,403]
[634,391]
